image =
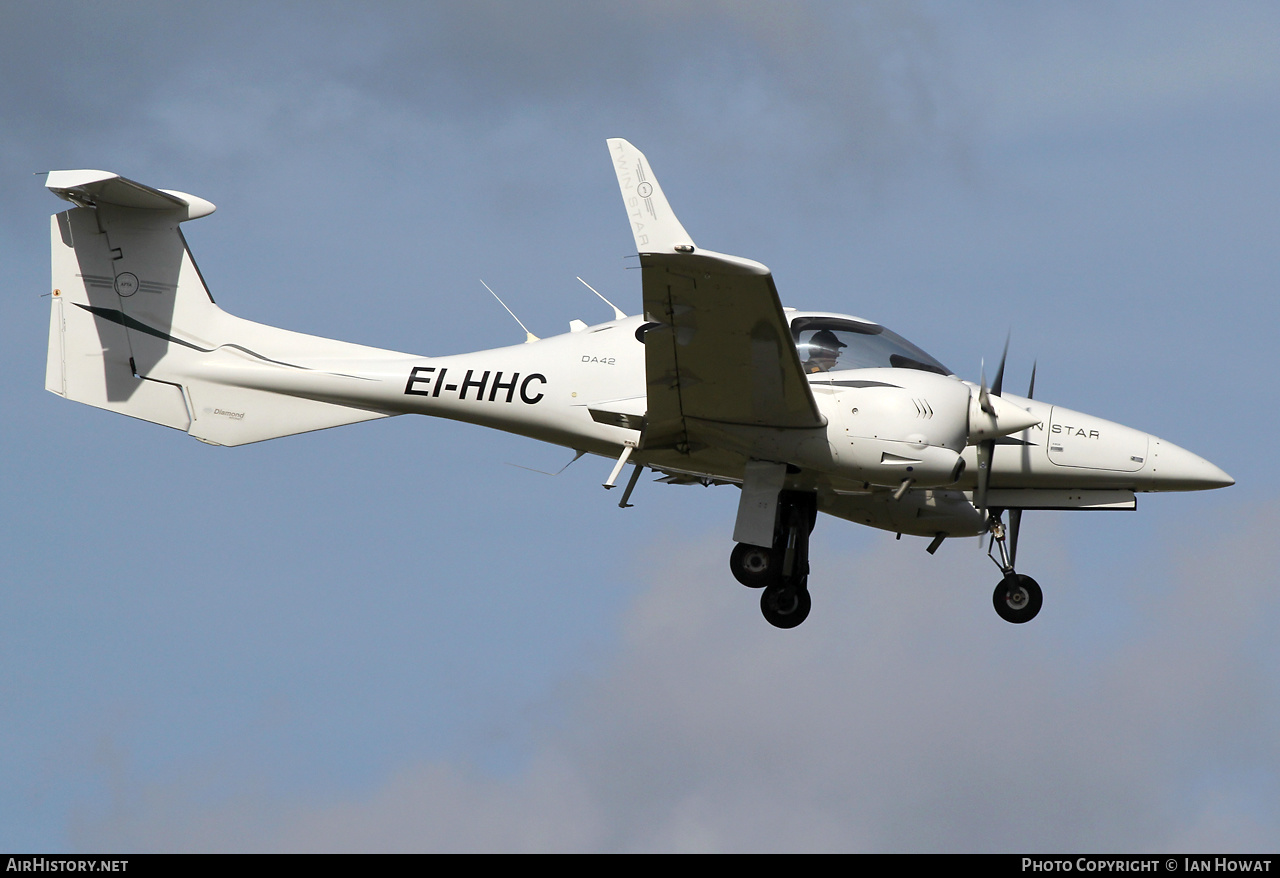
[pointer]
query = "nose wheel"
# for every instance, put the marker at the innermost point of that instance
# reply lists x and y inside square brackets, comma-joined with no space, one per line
[1017,598]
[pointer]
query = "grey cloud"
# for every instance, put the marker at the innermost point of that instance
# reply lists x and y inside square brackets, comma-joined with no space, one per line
[902,716]
[841,84]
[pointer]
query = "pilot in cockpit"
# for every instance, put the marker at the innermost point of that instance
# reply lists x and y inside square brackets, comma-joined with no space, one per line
[824,350]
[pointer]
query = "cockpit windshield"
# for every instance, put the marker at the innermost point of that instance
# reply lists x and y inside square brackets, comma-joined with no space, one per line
[830,344]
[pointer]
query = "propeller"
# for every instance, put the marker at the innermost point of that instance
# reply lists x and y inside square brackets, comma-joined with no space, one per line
[990,417]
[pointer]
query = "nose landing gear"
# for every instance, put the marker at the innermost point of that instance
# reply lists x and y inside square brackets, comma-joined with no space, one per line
[782,570]
[1017,597]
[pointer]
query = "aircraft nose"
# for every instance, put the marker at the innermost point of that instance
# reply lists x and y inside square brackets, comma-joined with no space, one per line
[1176,469]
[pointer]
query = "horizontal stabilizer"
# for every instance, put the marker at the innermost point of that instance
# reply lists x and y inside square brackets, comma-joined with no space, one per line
[92,188]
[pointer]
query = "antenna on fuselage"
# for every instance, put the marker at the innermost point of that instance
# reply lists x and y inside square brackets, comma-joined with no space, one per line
[528,336]
[576,456]
[617,312]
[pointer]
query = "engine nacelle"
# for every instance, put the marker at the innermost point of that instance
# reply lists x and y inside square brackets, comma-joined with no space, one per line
[889,425]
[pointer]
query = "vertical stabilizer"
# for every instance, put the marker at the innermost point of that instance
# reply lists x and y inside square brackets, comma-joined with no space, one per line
[121,276]
[133,329]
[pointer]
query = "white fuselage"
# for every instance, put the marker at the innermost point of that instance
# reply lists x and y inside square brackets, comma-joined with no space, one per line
[586,390]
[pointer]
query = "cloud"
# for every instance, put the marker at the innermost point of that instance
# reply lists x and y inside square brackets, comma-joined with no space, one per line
[853,86]
[1124,69]
[1137,712]
[903,716]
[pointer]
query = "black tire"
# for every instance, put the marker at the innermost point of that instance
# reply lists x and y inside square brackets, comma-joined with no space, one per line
[1017,598]
[754,566]
[785,607]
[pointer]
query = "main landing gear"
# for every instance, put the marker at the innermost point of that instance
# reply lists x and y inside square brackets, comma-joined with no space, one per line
[782,569]
[1017,597]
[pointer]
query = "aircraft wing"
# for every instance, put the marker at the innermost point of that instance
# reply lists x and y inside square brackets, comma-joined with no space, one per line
[719,349]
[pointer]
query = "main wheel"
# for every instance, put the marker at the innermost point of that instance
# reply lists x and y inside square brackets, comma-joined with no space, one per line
[785,607]
[1017,598]
[754,566]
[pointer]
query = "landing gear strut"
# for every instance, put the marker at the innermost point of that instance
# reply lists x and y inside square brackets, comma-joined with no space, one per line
[1017,597]
[782,569]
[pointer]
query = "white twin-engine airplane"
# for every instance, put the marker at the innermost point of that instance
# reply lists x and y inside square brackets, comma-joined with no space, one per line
[717,383]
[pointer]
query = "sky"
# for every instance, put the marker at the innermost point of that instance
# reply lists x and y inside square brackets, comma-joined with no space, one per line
[384,637]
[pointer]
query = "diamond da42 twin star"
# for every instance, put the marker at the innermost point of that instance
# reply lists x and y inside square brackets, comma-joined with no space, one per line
[716,383]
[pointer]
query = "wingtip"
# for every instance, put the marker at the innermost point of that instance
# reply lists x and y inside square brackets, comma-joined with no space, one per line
[653,223]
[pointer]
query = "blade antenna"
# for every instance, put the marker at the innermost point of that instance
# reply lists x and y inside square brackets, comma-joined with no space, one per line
[617,312]
[528,336]
[1031,388]
[576,457]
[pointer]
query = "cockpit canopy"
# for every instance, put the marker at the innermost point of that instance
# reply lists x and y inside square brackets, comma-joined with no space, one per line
[830,344]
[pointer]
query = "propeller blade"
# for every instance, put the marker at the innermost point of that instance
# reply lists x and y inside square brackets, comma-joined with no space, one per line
[999,382]
[985,450]
[984,398]
[1015,522]
[1031,389]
